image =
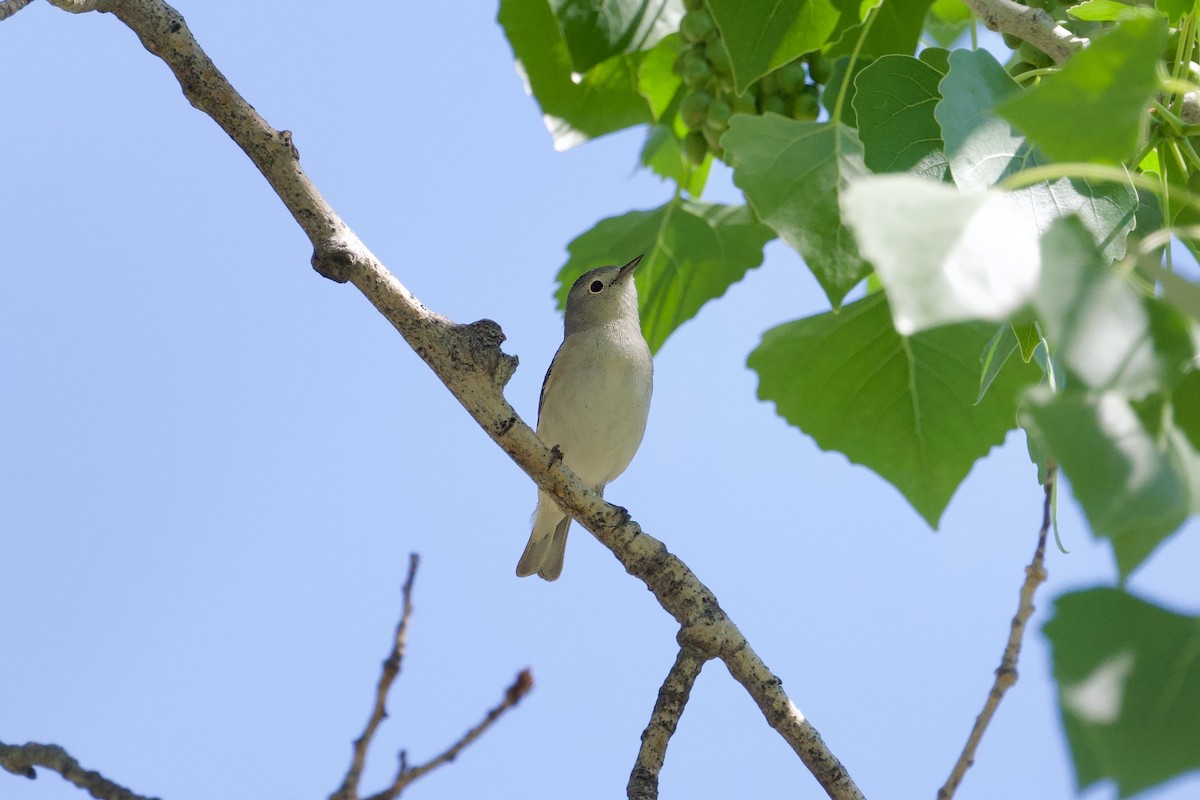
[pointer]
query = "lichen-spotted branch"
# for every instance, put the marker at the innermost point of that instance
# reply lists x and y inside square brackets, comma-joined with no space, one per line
[10,7]
[664,719]
[22,759]
[1032,25]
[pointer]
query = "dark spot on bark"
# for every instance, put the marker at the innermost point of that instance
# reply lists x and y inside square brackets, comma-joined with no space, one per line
[175,26]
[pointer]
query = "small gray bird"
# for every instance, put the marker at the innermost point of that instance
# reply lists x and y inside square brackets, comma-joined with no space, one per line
[594,401]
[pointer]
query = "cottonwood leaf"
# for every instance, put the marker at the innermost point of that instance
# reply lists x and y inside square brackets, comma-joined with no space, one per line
[693,253]
[1109,336]
[1095,107]
[896,29]
[575,107]
[664,155]
[1128,675]
[1136,486]
[894,101]
[903,407]
[793,174]
[596,30]
[762,35]
[983,149]
[942,254]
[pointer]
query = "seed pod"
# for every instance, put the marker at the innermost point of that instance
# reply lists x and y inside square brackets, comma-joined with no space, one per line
[695,147]
[719,113]
[697,26]
[745,104]
[790,77]
[773,104]
[693,110]
[697,73]
[806,105]
[718,57]
[819,68]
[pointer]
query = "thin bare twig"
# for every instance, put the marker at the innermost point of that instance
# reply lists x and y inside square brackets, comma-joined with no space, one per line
[1006,673]
[672,697]
[391,668]
[469,361]
[20,759]
[406,774]
[10,7]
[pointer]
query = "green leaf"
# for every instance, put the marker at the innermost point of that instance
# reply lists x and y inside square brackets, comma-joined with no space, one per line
[1174,9]
[1186,399]
[693,253]
[1128,675]
[1135,488]
[938,58]
[657,81]
[894,99]
[663,154]
[1177,290]
[896,29]
[595,31]
[1095,107]
[793,174]
[1028,337]
[901,406]
[764,34]
[983,149]
[946,21]
[837,74]
[604,100]
[1107,335]
[943,255]
[1103,11]
[997,353]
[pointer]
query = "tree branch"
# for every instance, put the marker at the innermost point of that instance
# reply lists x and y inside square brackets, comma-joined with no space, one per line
[76,6]
[1006,673]
[406,774]
[1032,25]
[672,697]
[391,668]
[10,7]
[21,759]
[468,360]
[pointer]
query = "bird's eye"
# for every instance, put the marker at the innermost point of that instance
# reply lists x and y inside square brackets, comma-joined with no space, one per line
[596,286]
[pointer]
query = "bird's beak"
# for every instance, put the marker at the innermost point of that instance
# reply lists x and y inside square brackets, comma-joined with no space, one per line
[629,268]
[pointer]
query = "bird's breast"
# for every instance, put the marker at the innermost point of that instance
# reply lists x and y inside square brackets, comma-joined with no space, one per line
[596,402]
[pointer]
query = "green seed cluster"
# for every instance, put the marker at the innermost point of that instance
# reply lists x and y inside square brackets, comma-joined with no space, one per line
[711,100]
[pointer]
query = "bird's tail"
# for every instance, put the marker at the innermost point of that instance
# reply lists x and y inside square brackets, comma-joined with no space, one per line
[547,543]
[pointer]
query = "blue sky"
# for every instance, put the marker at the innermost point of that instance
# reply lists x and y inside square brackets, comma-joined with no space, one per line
[213,462]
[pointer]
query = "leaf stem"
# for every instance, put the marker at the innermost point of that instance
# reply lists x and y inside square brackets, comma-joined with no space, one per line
[849,74]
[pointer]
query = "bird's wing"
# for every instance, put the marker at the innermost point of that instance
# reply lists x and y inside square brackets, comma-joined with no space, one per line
[546,382]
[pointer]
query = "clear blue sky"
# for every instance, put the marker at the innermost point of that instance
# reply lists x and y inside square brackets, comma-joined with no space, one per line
[213,462]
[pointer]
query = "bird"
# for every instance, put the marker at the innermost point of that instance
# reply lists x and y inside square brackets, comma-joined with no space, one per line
[594,401]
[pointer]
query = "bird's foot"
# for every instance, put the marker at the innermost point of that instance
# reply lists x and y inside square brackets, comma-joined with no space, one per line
[556,456]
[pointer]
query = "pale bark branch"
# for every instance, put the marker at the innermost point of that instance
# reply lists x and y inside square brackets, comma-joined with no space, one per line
[468,360]
[406,774]
[21,759]
[1032,25]
[391,668]
[77,6]
[10,7]
[664,719]
[1006,673]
